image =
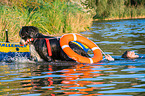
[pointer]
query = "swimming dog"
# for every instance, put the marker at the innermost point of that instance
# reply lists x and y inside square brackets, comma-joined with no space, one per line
[39,46]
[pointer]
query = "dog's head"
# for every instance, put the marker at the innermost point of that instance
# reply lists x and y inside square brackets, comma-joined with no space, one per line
[27,33]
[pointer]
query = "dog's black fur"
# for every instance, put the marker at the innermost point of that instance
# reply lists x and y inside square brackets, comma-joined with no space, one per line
[39,43]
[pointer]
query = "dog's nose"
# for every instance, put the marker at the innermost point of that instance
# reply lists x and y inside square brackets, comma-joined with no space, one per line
[21,43]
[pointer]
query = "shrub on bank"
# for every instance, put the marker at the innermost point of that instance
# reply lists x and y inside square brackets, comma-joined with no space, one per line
[55,17]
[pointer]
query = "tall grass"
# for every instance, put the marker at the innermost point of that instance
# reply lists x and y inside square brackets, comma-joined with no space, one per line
[51,17]
[117,9]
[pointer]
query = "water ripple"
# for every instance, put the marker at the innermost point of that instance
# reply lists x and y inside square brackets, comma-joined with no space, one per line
[124,90]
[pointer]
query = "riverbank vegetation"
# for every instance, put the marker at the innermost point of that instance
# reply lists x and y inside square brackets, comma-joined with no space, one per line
[116,9]
[50,16]
[63,16]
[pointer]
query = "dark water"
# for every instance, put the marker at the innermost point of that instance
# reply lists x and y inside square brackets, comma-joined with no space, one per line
[106,78]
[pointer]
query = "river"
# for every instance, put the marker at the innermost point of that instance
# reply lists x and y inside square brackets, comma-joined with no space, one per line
[106,78]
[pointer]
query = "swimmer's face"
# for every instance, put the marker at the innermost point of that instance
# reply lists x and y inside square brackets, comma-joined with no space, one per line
[131,54]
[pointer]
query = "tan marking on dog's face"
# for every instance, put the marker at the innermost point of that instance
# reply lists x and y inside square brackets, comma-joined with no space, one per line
[22,41]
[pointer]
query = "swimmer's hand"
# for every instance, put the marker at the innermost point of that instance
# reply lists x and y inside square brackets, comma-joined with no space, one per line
[109,58]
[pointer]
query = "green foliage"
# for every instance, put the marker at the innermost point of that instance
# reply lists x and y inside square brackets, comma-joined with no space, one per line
[50,16]
[117,8]
[101,8]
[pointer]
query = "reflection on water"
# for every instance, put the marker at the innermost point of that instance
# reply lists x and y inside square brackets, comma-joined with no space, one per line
[114,78]
[81,79]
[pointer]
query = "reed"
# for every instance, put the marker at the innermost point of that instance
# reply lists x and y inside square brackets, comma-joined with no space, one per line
[57,17]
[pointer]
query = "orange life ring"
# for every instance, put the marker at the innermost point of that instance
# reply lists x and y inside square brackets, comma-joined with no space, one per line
[64,43]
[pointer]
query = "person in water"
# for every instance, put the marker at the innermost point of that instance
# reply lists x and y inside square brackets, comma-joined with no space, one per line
[126,54]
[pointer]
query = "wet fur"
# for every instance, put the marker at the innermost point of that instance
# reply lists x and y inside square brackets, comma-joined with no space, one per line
[38,47]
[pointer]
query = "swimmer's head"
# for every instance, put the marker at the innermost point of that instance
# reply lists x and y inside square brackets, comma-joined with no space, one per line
[129,54]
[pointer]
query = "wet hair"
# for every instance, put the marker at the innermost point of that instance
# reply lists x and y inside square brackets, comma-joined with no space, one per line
[124,55]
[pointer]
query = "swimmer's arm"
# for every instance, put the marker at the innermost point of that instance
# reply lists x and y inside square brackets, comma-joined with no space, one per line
[109,58]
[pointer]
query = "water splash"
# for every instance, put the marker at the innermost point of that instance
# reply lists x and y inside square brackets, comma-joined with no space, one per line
[18,58]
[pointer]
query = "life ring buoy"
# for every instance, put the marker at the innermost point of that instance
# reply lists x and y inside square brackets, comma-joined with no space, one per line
[64,43]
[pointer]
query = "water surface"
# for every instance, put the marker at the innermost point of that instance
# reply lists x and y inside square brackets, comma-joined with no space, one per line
[106,78]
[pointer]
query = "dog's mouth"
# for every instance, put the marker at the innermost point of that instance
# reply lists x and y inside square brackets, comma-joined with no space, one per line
[23,42]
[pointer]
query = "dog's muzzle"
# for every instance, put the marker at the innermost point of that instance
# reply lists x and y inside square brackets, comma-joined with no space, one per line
[23,42]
